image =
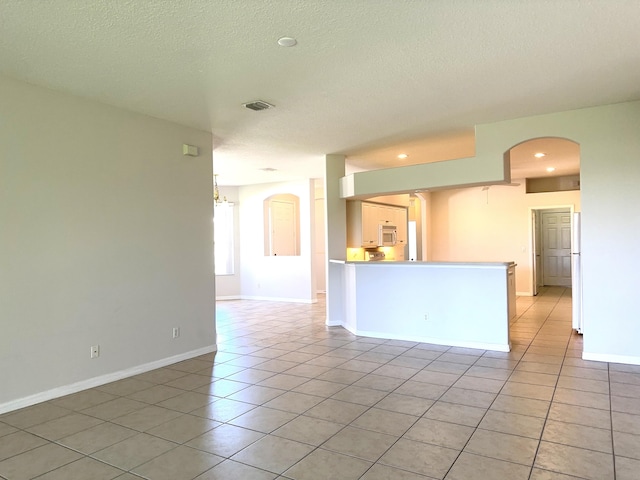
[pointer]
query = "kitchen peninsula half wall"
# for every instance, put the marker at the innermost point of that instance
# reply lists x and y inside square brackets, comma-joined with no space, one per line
[445,303]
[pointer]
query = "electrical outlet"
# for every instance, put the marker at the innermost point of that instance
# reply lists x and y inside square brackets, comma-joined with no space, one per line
[95,351]
[176,332]
[426,317]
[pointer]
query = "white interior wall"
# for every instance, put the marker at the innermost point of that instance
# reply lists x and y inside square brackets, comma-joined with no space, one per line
[320,255]
[477,224]
[285,278]
[229,286]
[445,304]
[105,238]
[336,241]
[428,221]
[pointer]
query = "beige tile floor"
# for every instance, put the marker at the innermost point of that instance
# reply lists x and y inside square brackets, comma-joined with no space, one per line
[287,397]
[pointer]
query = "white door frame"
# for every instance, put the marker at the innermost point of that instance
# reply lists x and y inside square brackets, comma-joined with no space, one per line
[532,240]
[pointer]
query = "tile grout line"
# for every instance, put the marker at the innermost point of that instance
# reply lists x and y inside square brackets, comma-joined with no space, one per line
[544,424]
[369,407]
[613,443]
[313,337]
[497,394]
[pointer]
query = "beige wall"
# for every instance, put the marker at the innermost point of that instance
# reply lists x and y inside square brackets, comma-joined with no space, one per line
[479,224]
[105,238]
[402,200]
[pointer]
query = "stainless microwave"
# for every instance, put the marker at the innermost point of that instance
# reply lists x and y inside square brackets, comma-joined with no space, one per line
[387,235]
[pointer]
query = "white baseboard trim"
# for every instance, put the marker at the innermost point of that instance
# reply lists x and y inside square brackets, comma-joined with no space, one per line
[604,357]
[101,380]
[269,299]
[280,299]
[524,294]
[333,324]
[498,347]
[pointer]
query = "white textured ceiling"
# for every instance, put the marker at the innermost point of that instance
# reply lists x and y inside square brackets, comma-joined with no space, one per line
[368,78]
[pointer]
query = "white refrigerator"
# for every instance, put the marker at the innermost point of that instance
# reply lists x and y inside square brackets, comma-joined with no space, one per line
[576,276]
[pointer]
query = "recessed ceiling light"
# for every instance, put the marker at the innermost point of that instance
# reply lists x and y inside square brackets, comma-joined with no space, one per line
[402,156]
[550,169]
[539,155]
[287,42]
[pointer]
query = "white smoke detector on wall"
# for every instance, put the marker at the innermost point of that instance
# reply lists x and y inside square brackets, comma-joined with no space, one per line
[190,150]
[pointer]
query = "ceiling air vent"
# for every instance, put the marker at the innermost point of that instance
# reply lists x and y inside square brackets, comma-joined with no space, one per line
[258,105]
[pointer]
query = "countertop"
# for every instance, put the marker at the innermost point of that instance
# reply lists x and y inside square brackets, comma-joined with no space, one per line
[426,264]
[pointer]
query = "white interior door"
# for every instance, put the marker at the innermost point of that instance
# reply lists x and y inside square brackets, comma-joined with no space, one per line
[283,228]
[537,251]
[320,263]
[556,248]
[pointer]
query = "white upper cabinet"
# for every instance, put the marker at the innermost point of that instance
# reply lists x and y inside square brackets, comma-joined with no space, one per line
[369,225]
[400,221]
[363,219]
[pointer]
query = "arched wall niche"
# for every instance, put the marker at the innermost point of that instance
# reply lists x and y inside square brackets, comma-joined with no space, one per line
[561,154]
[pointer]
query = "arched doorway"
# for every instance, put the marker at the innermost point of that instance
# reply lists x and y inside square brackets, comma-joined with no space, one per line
[550,169]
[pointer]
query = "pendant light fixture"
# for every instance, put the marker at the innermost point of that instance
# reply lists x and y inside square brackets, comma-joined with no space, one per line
[216,191]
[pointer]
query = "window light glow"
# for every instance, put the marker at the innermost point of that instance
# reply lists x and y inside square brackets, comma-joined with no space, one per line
[402,156]
[550,169]
[539,155]
[223,238]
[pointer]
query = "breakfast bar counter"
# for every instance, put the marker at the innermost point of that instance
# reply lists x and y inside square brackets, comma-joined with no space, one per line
[464,304]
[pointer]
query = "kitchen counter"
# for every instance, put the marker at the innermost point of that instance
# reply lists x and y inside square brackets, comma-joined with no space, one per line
[465,304]
[430,264]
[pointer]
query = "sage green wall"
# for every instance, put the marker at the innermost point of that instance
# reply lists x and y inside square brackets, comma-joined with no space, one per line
[478,170]
[336,239]
[610,173]
[106,238]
